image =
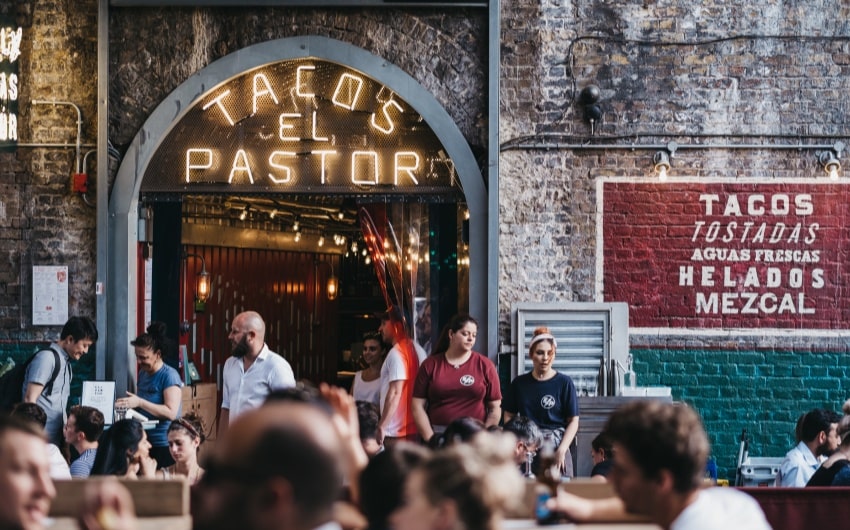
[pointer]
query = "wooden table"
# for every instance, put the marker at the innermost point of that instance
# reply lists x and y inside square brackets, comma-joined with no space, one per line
[531,524]
[176,522]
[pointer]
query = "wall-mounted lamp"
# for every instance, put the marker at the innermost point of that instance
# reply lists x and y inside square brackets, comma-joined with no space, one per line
[203,285]
[661,162]
[829,160]
[244,214]
[332,286]
[296,225]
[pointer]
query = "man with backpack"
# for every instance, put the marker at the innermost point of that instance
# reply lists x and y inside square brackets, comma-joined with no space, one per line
[50,388]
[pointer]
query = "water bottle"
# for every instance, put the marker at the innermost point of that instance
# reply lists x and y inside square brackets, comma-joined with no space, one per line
[630,376]
[711,470]
[548,479]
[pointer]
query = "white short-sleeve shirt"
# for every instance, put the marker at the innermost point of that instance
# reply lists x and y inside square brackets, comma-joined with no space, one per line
[244,390]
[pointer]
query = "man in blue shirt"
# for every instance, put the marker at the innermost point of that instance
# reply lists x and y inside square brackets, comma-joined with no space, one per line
[84,427]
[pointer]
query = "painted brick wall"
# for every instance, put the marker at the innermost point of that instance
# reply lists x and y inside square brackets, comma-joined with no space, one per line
[719,74]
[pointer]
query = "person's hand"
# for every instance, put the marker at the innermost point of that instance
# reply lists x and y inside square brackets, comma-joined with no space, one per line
[561,455]
[574,507]
[130,402]
[147,467]
[344,411]
[107,505]
[379,435]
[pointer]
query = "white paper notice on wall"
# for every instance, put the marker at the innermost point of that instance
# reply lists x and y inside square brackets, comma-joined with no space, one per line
[49,295]
[100,395]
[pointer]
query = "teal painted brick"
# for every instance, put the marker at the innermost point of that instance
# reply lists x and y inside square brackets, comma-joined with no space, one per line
[801,371]
[765,369]
[747,370]
[763,391]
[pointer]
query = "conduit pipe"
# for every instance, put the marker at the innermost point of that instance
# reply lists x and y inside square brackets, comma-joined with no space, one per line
[78,144]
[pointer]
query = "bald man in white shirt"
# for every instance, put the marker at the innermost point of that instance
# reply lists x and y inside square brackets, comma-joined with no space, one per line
[253,371]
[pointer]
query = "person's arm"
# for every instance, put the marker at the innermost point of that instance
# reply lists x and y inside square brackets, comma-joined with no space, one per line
[391,404]
[223,420]
[494,413]
[570,430]
[168,410]
[33,391]
[509,416]
[420,417]
[582,510]
[347,425]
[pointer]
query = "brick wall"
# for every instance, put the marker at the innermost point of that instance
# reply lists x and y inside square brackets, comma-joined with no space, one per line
[41,221]
[764,73]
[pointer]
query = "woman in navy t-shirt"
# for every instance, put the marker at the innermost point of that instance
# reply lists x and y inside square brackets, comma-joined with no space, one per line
[547,397]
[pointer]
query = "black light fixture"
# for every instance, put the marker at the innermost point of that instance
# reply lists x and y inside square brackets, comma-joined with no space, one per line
[588,98]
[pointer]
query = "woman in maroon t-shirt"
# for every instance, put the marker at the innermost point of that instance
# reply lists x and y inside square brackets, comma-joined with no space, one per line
[456,382]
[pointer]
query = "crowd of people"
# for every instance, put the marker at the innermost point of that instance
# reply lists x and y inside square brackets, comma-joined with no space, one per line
[420,442]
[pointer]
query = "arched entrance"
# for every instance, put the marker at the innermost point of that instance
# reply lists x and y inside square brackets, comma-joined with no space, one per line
[124,229]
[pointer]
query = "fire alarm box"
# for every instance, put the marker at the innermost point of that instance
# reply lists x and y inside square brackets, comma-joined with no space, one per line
[79,183]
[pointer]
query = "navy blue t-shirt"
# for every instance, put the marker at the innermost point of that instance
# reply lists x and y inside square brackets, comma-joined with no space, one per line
[549,403]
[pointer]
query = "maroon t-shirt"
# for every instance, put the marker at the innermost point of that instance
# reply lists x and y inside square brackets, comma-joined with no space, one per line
[454,393]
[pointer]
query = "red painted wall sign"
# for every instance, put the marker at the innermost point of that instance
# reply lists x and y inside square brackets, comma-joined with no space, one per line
[727,255]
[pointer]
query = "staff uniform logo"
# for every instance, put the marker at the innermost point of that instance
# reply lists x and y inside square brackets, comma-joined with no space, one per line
[547,401]
[467,380]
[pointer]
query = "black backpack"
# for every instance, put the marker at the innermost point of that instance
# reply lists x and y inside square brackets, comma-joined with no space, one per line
[12,382]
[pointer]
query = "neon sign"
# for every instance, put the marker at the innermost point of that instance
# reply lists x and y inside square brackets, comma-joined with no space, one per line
[10,51]
[302,125]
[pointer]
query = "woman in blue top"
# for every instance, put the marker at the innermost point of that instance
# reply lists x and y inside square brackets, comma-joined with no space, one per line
[547,397]
[159,395]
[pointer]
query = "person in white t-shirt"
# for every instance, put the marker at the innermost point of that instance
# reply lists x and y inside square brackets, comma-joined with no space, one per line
[253,371]
[397,375]
[659,471]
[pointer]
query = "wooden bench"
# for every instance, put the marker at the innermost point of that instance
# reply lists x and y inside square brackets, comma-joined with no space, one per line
[794,508]
[160,504]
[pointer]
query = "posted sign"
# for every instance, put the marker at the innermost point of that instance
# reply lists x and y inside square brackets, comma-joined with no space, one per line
[698,254]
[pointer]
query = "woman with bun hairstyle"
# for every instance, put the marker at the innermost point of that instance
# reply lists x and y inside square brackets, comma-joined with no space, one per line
[158,395]
[546,396]
[185,436]
[455,382]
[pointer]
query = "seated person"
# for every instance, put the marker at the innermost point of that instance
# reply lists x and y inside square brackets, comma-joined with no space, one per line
[602,454]
[382,482]
[835,471]
[185,436]
[124,450]
[528,441]
[465,486]
[34,413]
[662,450]
[82,430]
[458,431]
[818,439]
[25,485]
